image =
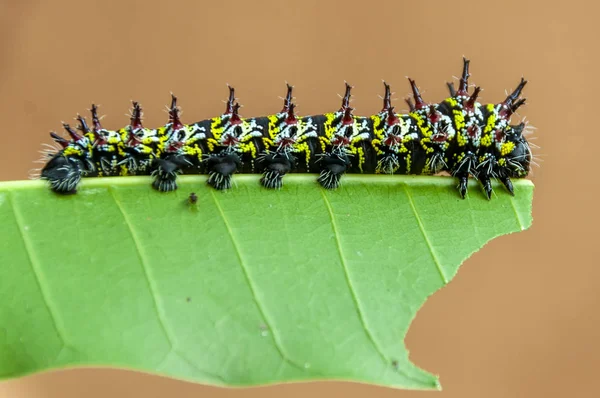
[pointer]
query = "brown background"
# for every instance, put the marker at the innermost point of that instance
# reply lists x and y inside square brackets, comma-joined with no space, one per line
[521,318]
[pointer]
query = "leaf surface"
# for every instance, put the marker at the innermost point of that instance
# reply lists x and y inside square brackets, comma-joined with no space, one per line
[245,287]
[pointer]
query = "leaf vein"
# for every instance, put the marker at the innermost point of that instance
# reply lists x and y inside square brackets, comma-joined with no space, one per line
[38,274]
[252,287]
[146,271]
[359,310]
[512,203]
[153,293]
[475,227]
[349,281]
[425,235]
[208,375]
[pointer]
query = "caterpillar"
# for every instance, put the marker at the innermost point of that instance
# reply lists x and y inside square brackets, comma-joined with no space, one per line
[459,136]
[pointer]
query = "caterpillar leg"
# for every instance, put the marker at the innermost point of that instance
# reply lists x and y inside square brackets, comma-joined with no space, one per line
[165,175]
[221,168]
[63,174]
[486,182]
[463,183]
[462,172]
[275,166]
[484,172]
[508,184]
[333,166]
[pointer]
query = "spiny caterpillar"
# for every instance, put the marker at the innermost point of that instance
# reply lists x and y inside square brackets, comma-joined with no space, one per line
[459,136]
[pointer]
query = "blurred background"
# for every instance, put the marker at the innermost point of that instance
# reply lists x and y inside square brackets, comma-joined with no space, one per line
[520,319]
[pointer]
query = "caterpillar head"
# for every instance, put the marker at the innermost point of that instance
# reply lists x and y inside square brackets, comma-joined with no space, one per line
[515,153]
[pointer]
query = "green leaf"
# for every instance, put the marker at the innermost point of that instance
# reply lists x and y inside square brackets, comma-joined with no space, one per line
[245,287]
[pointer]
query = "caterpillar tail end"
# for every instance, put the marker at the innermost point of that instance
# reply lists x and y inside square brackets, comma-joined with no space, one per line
[62,175]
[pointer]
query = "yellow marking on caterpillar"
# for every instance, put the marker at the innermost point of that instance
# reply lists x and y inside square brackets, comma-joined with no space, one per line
[424,143]
[216,127]
[162,138]
[426,168]
[192,150]
[453,102]
[459,120]
[324,142]
[377,126]
[248,147]
[461,140]
[198,152]
[329,130]
[408,163]
[421,124]
[487,140]
[72,151]
[376,143]
[246,138]
[267,142]
[211,143]
[303,147]
[491,122]
[273,130]
[507,148]
[161,132]
[361,158]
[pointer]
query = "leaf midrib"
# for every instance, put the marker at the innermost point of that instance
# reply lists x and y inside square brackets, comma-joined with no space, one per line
[413,180]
